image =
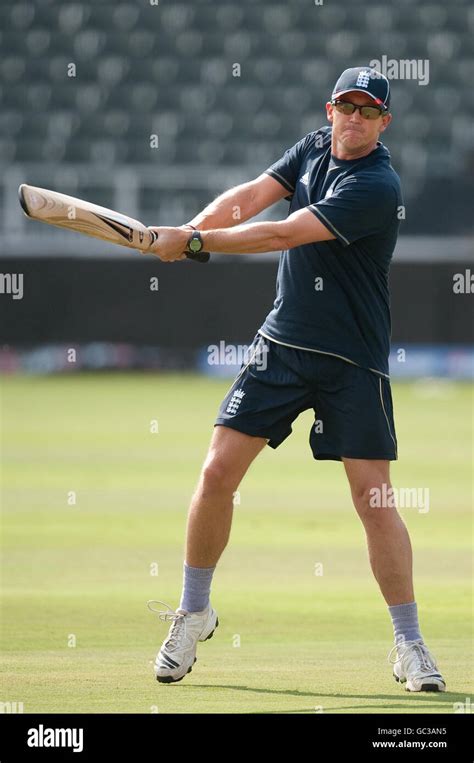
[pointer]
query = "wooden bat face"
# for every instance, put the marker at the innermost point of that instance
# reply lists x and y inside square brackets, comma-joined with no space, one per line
[81,216]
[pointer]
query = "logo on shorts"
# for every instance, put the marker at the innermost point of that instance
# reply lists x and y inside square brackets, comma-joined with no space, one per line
[235,401]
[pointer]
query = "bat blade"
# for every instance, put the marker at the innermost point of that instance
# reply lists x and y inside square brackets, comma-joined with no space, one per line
[90,219]
[82,216]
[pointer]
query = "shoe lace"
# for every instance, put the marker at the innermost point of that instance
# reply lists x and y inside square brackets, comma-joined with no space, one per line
[177,633]
[416,650]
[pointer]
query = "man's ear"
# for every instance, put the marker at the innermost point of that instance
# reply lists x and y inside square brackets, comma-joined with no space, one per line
[329,110]
[385,122]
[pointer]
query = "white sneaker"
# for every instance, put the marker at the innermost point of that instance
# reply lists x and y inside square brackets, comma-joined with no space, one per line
[416,666]
[178,652]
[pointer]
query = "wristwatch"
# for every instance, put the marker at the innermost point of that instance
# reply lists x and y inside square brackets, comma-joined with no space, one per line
[195,242]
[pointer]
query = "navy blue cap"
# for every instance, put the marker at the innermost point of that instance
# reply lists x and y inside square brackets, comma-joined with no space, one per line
[367,80]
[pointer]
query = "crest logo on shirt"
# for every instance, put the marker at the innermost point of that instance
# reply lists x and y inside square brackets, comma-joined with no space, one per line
[304,178]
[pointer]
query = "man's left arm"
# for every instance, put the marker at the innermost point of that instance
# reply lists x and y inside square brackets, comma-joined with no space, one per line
[301,227]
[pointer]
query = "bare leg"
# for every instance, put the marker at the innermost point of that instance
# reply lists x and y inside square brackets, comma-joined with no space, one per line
[388,542]
[210,513]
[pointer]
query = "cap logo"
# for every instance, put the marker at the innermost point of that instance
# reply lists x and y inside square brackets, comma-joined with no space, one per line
[363,79]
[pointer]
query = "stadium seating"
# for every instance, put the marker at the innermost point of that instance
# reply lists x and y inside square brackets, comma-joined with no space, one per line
[167,70]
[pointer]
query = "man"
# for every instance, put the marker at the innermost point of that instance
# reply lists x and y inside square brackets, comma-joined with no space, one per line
[325,345]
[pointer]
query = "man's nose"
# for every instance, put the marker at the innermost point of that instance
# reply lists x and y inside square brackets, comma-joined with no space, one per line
[356,116]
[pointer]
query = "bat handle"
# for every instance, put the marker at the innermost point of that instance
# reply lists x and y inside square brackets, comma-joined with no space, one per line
[197,256]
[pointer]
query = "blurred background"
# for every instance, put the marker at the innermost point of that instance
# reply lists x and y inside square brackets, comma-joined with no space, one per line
[153,109]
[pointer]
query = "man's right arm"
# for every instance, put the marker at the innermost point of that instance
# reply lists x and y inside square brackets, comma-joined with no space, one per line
[239,204]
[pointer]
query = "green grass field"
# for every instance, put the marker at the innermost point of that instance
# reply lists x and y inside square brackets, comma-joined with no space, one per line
[289,641]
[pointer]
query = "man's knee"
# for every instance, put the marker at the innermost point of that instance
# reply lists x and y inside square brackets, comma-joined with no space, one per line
[375,504]
[369,482]
[217,475]
[230,454]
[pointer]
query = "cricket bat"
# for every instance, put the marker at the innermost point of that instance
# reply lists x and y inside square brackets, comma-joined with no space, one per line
[92,220]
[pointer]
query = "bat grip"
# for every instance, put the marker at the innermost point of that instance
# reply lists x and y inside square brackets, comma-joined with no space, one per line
[197,256]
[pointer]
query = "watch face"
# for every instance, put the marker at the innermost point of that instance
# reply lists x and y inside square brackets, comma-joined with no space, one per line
[195,245]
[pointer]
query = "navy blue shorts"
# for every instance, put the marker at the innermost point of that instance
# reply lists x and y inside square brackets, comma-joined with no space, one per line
[353,406]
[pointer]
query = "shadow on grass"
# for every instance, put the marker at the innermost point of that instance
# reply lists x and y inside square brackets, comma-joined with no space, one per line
[413,701]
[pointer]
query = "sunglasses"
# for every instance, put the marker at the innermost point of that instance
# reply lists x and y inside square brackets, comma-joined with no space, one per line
[366,112]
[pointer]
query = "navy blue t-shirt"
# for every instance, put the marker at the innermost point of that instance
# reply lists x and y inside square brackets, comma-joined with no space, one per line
[333,296]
